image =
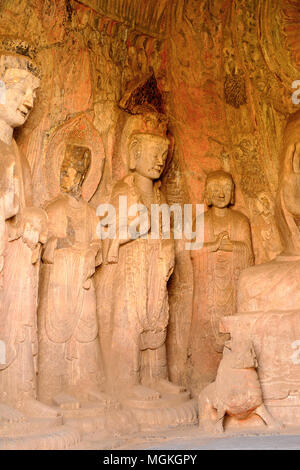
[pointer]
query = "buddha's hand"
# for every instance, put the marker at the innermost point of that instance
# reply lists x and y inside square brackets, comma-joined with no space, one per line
[221,241]
[34,226]
[226,243]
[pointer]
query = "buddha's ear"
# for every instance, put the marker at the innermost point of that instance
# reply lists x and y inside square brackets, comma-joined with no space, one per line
[134,153]
[296,158]
[232,200]
[207,196]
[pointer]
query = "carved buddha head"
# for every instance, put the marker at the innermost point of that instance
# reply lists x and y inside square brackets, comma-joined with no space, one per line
[19,80]
[75,166]
[148,154]
[145,144]
[219,189]
[288,200]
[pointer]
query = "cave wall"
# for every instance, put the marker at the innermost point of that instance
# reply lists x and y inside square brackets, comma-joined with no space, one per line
[224,69]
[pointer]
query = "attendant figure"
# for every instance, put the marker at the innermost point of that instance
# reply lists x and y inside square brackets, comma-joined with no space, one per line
[70,365]
[226,251]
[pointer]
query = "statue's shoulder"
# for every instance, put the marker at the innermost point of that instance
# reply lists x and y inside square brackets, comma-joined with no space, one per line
[239,217]
[124,187]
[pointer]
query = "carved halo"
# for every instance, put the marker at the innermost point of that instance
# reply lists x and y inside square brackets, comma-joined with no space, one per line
[78,131]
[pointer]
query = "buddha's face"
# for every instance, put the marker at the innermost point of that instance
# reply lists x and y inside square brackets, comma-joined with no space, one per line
[20,93]
[148,157]
[291,180]
[74,169]
[70,180]
[219,191]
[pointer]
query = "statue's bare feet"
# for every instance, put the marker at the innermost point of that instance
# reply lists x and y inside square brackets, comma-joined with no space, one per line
[36,409]
[143,393]
[165,386]
[66,401]
[10,415]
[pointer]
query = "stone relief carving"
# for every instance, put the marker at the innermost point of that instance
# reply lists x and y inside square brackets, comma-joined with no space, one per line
[227,250]
[236,391]
[147,320]
[133,329]
[69,349]
[23,231]
[268,295]
[221,71]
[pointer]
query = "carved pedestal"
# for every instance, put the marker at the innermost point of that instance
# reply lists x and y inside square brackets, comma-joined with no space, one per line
[170,410]
[19,432]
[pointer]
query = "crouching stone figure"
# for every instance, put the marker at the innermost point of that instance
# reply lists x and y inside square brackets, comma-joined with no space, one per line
[236,391]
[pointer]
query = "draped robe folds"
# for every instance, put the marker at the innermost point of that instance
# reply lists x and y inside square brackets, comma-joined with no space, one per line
[69,349]
[216,275]
[132,305]
[18,282]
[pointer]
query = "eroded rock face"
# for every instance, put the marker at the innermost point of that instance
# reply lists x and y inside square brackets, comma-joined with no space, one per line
[236,391]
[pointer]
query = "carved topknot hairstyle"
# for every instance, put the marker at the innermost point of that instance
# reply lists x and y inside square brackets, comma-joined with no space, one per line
[214,175]
[18,54]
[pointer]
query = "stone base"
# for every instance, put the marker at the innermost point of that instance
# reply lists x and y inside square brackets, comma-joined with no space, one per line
[90,417]
[38,434]
[286,410]
[170,410]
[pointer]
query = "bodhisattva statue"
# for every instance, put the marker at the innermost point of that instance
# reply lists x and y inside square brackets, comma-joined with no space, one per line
[69,348]
[22,230]
[132,286]
[226,251]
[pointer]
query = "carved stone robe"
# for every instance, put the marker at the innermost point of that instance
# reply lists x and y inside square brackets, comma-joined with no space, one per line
[19,281]
[215,289]
[69,349]
[132,302]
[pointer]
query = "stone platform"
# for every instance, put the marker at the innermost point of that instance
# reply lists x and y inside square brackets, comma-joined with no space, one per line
[170,410]
[38,433]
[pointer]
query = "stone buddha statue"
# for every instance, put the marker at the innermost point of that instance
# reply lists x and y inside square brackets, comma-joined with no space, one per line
[226,251]
[70,364]
[23,229]
[268,310]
